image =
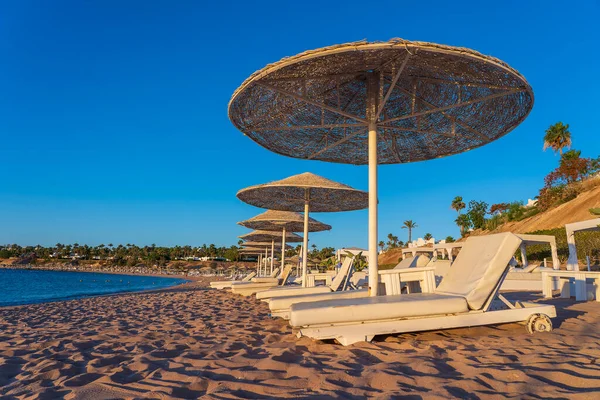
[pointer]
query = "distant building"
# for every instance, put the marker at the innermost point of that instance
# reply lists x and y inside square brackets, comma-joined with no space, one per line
[420,242]
[531,203]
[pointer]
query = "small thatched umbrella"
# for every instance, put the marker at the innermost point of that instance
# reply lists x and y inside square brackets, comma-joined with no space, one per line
[253,251]
[262,247]
[380,103]
[261,235]
[261,244]
[305,192]
[283,221]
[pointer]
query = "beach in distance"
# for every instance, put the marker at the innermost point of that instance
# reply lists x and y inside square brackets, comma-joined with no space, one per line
[24,286]
[188,341]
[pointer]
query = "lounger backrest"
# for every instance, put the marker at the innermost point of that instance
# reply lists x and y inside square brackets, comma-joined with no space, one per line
[287,270]
[340,277]
[441,269]
[479,267]
[250,276]
[275,272]
[413,262]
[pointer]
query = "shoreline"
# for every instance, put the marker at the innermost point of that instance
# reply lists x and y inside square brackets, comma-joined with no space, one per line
[186,281]
[107,270]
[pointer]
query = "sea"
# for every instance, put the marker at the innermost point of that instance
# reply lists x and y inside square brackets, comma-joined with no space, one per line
[19,286]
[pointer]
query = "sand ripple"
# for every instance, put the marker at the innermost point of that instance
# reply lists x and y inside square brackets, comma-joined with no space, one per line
[190,342]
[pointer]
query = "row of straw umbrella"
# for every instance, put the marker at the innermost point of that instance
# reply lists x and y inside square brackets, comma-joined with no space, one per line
[285,198]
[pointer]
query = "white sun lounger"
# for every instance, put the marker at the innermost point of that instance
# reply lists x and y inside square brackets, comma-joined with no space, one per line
[227,284]
[261,284]
[280,305]
[340,282]
[468,296]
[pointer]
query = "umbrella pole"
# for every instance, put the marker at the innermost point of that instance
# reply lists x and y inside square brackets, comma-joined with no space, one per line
[372,97]
[299,260]
[283,249]
[265,258]
[272,254]
[305,243]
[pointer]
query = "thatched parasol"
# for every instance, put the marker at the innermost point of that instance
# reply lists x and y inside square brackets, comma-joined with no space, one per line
[256,245]
[305,192]
[283,221]
[270,236]
[384,102]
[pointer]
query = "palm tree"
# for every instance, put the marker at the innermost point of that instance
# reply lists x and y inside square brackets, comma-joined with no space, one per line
[427,236]
[557,137]
[409,224]
[381,244]
[457,204]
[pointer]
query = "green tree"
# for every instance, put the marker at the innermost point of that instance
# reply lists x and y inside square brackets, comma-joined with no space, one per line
[381,245]
[477,212]
[464,223]
[457,204]
[427,236]
[557,137]
[449,239]
[410,225]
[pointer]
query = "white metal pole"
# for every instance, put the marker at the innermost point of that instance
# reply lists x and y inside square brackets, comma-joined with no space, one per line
[265,260]
[283,249]
[272,253]
[372,95]
[300,256]
[305,242]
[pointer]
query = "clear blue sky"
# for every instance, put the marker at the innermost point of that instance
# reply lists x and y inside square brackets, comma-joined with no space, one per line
[114,128]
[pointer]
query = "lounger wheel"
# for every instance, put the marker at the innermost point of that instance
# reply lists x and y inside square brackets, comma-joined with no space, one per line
[539,323]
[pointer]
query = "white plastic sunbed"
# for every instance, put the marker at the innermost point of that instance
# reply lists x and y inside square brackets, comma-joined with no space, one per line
[261,284]
[340,282]
[468,296]
[280,306]
[227,284]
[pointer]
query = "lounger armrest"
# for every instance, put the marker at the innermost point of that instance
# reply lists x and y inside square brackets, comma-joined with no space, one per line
[323,275]
[406,270]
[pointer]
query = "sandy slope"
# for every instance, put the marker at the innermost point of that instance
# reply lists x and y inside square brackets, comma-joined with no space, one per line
[189,342]
[572,211]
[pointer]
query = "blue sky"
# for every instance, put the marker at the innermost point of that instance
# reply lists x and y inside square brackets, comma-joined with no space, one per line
[114,128]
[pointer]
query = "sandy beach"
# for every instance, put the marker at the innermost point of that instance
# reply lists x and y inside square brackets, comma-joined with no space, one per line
[189,341]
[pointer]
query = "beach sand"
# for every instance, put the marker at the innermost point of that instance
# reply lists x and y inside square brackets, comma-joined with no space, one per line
[187,342]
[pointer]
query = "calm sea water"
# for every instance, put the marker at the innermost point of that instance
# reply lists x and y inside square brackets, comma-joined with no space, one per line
[28,286]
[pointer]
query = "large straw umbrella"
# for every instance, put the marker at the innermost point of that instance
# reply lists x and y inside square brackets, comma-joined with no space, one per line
[283,221]
[305,192]
[383,102]
[263,235]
